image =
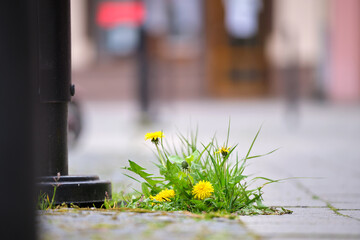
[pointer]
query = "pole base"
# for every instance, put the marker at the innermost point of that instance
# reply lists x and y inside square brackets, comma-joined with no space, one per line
[83,191]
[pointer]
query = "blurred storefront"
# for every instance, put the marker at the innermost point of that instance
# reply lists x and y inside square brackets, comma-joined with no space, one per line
[227,48]
[236,35]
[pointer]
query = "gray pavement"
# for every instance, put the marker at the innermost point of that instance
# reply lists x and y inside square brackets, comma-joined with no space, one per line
[320,143]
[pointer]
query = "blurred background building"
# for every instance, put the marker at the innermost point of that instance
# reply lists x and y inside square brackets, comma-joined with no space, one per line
[218,49]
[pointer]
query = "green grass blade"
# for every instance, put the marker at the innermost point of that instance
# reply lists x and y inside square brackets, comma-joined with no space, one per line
[262,155]
[252,144]
[228,133]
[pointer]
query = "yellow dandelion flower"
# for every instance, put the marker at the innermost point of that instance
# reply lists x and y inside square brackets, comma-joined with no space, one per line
[202,190]
[155,136]
[224,151]
[164,195]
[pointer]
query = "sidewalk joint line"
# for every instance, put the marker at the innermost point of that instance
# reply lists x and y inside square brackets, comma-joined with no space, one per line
[328,204]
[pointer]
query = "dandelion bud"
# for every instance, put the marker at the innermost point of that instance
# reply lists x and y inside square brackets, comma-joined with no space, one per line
[184,165]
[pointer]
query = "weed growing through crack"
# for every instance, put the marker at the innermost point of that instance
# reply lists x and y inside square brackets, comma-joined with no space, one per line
[200,178]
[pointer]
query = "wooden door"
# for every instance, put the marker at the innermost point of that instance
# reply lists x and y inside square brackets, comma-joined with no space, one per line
[235,67]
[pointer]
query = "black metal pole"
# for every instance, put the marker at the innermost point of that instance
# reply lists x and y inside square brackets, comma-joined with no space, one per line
[53,94]
[17,173]
[54,85]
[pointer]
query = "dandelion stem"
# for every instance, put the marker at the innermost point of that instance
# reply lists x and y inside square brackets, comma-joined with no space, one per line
[160,156]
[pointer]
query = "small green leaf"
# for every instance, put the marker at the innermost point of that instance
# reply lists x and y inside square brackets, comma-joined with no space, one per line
[193,157]
[176,159]
[195,166]
[145,189]
[260,204]
[237,179]
[135,168]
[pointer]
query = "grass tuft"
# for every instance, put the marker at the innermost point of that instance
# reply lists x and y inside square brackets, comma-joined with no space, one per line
[206,178]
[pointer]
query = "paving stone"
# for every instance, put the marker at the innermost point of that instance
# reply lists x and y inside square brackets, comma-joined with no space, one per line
[289,194]
[89,224]
[304,222]
[352,213]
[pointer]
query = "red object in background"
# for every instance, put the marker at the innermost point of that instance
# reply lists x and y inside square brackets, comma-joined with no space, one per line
[111,14]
